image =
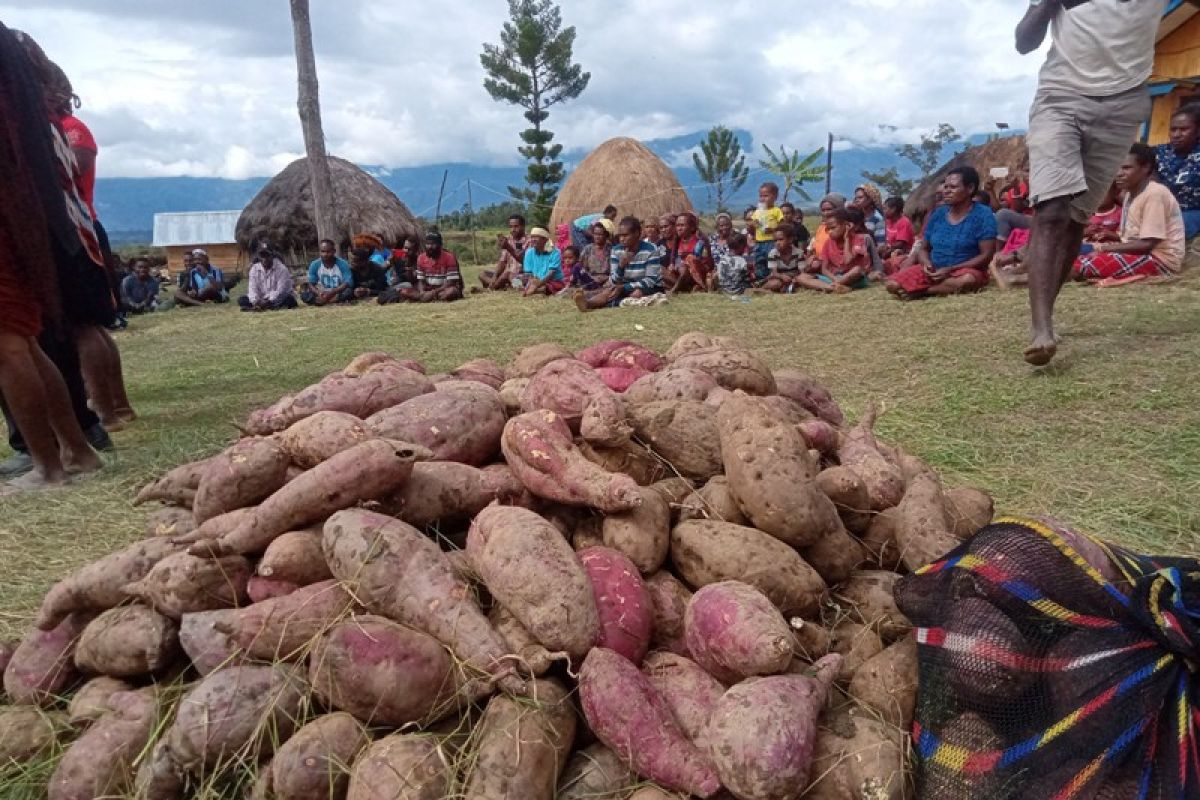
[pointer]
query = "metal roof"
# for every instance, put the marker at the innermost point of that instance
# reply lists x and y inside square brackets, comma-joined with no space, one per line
[195,227]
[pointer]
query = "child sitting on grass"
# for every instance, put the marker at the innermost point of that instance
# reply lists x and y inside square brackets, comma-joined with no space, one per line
[732,275]
[844,260]
[785,262]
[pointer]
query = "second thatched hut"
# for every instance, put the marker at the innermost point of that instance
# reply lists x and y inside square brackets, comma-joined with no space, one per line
[282,212]
[622,172]
[1009,152]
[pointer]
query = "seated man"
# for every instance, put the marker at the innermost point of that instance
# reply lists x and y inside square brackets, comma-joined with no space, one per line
[139,289]
[541,269]
[185,272]
[1152,234]
[205,283]
[367,278]
[271,285]
[373,243]
[438,277]
[328,278]
[228,281]
[635,271]
[512,254]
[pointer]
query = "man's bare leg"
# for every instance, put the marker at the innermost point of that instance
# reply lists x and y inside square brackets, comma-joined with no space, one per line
[23,388]
[95,360]
[1054,242]
[75,451]
[116,378]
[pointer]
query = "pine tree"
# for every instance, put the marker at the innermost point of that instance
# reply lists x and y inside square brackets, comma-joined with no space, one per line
[532,68]
[723,167]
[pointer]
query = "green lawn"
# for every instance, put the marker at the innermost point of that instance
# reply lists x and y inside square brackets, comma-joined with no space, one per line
[1108,437]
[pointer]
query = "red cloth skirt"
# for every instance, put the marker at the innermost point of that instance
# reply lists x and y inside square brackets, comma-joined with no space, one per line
[20,312]
[913,280]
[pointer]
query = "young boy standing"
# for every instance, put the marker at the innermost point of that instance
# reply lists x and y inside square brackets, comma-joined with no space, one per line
[767,218]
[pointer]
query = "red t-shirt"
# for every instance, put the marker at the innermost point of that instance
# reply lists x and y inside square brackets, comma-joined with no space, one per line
[900,233]
[78,136]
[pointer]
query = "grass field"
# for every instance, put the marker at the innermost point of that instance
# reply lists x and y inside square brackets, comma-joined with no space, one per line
[1108,437]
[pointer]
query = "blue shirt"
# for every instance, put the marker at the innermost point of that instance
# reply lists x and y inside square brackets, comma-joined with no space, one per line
[643,272]
[135,293]
[1180,174]
[586,222]
[215,278]
[380,257]
[543,266]
[950,245]
[330,277]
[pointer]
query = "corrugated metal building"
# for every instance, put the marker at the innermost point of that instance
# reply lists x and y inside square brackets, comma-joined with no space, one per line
[1176,78]
[212,231]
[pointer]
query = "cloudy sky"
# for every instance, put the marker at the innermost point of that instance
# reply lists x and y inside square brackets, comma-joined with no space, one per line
[207,87]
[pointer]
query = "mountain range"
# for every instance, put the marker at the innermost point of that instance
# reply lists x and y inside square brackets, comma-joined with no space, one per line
[127,205]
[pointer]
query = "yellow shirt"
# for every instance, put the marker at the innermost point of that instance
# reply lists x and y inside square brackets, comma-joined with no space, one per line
[767,218]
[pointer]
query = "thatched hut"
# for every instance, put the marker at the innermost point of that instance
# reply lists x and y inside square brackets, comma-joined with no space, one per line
[626,174]
[282,212]
[1009,152]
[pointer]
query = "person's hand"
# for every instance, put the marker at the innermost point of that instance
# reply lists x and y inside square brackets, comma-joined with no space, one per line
[502,241]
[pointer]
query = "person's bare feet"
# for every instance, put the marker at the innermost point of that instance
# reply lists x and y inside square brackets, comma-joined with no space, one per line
[581,301]
[82,463]
[126,414]
[1041,350]
[841,288]
[1000,276]
[113,423]
[33,481]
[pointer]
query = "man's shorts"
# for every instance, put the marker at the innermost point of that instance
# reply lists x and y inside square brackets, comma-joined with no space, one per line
[1077,143]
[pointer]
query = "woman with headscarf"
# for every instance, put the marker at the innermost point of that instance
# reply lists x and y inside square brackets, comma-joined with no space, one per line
[693,258]
[591,272]
[868,199]
[829,203]
[718,242]
[36,226]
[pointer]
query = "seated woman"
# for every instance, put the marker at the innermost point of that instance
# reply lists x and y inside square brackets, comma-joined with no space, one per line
[693,258]
[829,203]
[635,271]
[718,242]
[670,239]
[959,241]
[785,261]
[541,269]
[844,261]
[868,199]
[591,271]
[1179,165]
[899,235]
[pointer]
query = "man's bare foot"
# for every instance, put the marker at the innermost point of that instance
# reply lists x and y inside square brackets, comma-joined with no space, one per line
[33,481]
[82,463]
[126,414]
[1041,350]
[113,423]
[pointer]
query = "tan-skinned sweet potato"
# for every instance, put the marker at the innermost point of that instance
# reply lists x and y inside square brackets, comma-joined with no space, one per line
[696,340]
[529,360]
[861,757]
[207,648]
[480,370]
[446,493]
[159,777]
[283,628]
[683,434]
[367,471]
[43,664]
[713,500]
[177,487]
[836,555]
[808,392]
[532,571]
[595,773]
[217,527]
[295,557]
[812,641]
[668,600]
[688,690]
[535,659]
[170,521]
[860,452]
[321,436]
[707,552]
[98,586]
[101,762]
[403,766]
[573,391]
[523,746]
[399,573]
[315,763]
[676,383]
[260,589]
[510,394]
[383,673]
[923,534]
[183,583]
[675,491]
[538,448]
[984,682]
[857,644]
[90,701]
[243,475]
[733,368]
[644,534]
[881,542]
[27,732]
[380,387]
[887,683]
[869,597]
[630,458]
[968,509]
[127,642]
[973,734]
[457,423]
[364,361]
[848,492]
[734,632]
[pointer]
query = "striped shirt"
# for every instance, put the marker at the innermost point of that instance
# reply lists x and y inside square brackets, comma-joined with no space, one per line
[791,265]
[644,271]
[439,271]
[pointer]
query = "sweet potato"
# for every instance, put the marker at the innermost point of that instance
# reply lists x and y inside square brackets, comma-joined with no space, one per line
[860,452]
[622,602]
[538,447]
[867,759]
[573,391]
[260,589]
[207,648]
[246,473]
[597,354]
[530,569]
[534,658]
[295,557]
[836,555]
[455,425]
[101,762]
[967,510]
[631,458]
[480,370]
[695,340]
[974,675]
[705,551]
[887,683]
[675,383]
[1090,549]
[318,438]
[380,387]
[159,776]
[170,521]
[529,360]
[811,640]
[177,487]
[90,701]
[619,379]
[732,368]
[848,492]
[923,534]
[216,527]
[619,353]
[970,733]
[654,793]
[233,708]
[644,534]
[183,583]
[595,773]
[689,691]
[523,746]
[682,433]
[869,596]
[364,361]
[510,394]
[881,542]
[282,628]
[760,736]
[668,600]
[808,392]
[713,500]
[127,642]
[446,493]
[734,632]
[397,572]
[822,437]
[367,471]
[403,766]
[857,644]
[674,491]
[634,721]
[43,663]
[382,672]
[27,733]
[771,473]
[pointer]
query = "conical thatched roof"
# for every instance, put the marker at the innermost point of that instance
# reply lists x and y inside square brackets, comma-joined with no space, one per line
[1007,152]
[626,174]
[282,212]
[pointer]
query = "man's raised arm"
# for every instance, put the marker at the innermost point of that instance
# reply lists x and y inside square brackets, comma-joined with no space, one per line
[1032,29]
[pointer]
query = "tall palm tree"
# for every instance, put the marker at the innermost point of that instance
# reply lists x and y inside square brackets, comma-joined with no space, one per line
[309,104]
[794,170]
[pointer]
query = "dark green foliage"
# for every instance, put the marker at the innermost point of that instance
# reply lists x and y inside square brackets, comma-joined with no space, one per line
[723,167]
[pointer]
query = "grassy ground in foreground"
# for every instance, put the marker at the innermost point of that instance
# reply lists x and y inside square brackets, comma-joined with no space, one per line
[1108,437]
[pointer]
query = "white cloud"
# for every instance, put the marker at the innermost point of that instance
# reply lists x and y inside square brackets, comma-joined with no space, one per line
[208,89]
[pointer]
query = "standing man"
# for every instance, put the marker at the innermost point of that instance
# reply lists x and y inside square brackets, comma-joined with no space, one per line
[1091,98]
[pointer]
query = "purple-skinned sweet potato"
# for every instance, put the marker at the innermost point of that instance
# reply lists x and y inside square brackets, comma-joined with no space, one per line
[480,370]
[315,763]
[295,557]
[573,391]
[244,474]
[460,422]
[260,589]
[282,628]
[447,493]
[177,487]
[808,392]
[101,762]
[734,632]
[668,601]
[43,664]
[622,602]
[691,692]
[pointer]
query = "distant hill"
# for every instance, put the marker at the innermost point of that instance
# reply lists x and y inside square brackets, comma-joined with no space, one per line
[127,205]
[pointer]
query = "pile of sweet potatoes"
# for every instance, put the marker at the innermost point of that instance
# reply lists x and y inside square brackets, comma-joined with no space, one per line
[606,574]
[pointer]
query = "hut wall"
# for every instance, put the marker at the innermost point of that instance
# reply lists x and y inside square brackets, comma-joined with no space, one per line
[226,256]
[1176,59]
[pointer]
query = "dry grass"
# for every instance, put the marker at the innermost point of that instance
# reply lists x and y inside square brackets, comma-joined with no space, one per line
[1108,438]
